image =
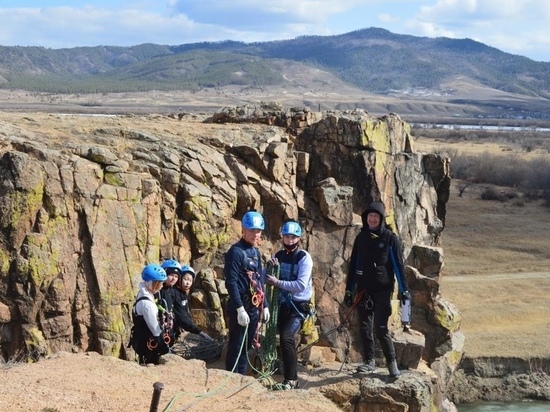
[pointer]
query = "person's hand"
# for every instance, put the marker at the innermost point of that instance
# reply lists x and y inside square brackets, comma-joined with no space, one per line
[205,336]
[266,315]
[273,262]
[242,316]
[405,296]
[271,280]
[348,298]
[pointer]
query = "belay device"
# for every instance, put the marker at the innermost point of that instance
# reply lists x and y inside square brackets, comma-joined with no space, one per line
[405,303]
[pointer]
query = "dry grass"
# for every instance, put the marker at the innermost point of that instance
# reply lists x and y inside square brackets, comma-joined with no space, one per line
[497,273]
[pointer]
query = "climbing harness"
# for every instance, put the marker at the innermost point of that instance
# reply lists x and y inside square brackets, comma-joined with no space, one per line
[166,321]
[256,292]
[152,344]
[369,304]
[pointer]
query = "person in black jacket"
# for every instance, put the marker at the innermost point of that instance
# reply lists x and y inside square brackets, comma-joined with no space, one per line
[370,284]
[180,301]
[245,283]
[165,300]
[147,333]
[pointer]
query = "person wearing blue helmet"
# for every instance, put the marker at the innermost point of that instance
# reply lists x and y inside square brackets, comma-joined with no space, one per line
[245,283]
[147,334]
[180,299]
[295,292]
[165,300]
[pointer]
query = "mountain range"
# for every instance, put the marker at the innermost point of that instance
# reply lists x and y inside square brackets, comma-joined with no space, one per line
[462,75]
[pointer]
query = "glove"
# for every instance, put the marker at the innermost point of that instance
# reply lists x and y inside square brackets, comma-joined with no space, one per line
[405,296]
[205,336]
[266,315]
[271,280]
[348,298]
[242,316]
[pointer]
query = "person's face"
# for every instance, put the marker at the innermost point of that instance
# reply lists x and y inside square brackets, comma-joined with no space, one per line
[171,280]
[373,220]
[186,282]
[252,236]
[290,240]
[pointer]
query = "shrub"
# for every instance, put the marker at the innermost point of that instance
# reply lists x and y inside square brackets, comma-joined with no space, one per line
[494,194]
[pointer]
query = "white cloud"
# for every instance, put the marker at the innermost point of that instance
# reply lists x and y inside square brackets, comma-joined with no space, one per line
[514,26]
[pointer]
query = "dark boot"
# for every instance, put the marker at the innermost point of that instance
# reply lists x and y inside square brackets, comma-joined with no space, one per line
[368,366]
[393,369]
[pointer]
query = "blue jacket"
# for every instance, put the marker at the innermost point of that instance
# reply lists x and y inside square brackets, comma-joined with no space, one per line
[241,258]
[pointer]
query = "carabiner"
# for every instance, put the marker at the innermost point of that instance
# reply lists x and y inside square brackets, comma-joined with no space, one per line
[369,304]
[257,299]
[152,344]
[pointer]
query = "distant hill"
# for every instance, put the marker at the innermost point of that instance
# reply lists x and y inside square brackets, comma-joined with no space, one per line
[372,60]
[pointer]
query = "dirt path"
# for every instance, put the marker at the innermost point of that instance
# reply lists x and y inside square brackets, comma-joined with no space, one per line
[496,277]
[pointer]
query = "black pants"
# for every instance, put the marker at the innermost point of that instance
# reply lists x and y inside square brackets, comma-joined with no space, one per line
[236,358]
[374,310]
[290,323]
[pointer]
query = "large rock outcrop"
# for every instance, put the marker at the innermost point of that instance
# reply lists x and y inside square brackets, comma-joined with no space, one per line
[80,214]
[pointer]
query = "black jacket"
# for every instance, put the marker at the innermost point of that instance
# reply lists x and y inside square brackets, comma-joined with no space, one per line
[370,265]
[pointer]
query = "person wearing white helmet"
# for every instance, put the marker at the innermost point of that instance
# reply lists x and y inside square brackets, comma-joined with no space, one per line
[295,292]
[180,299]
[147,334]
[245,283]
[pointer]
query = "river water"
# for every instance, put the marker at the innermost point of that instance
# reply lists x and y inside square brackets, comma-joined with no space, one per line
[482,127]
[527,406]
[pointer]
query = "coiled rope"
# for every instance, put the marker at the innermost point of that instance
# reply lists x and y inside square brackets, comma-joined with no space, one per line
[197,347]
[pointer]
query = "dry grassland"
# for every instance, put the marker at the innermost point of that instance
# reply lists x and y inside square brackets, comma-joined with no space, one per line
[497,270]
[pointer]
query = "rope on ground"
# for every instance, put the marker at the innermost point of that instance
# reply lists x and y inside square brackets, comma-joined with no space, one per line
[214,391]
[197,347]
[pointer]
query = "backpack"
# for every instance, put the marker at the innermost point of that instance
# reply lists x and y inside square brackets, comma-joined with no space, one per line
[132,343]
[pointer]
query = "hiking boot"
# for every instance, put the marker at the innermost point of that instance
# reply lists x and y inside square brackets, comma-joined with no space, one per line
[393,369]
[368,366]
[288,385]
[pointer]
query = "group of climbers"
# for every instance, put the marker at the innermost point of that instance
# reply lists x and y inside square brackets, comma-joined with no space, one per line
[161,310]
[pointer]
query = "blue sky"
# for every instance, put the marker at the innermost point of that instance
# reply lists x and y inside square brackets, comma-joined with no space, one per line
[515,26]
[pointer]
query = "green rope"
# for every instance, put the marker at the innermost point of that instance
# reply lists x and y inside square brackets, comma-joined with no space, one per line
[269,344]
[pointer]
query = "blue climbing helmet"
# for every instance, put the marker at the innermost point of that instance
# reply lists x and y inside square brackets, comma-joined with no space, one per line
[188,269]
[253,220]
[153,271]
[291,228]
[171,265]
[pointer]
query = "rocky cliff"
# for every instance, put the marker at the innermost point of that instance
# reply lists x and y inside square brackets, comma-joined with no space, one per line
[86,202]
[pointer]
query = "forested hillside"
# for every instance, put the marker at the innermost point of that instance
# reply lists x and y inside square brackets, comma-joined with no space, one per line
[374,60]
